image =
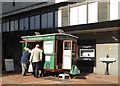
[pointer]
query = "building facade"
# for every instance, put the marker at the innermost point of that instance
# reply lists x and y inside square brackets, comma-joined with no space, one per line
[96,23]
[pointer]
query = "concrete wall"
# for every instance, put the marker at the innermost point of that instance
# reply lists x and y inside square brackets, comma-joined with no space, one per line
[12,50]
[8,6]
[103,11]
[9,9]
[101,52]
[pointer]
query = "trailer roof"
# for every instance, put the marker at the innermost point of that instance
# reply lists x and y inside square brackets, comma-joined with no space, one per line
[53,34]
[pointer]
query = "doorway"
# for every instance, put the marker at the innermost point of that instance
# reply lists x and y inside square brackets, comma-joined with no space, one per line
[32,45]
[67,54]
[59,53]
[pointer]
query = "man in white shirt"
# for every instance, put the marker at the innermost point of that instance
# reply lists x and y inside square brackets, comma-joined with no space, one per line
[36,59]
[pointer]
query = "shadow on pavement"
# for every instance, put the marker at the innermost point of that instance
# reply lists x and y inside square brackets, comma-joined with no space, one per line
[14,73]
[79,76]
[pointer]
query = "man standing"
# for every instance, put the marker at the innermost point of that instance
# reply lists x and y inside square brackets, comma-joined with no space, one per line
[25,61]
[36,59]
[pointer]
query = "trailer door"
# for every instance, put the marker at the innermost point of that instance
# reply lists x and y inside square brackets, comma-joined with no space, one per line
[67,54]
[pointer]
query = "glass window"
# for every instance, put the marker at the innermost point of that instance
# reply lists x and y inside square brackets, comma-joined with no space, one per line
[12,26]
[44,20]
[0,27]
[21,24]
[32,23]
[16,25]
[74,12]
[7,26]
[50,20]
[82,14]
[26,24]
[67,46]
[93,12]
[37,22]
[114,9]
[59,18]
[56,19]
[3,27]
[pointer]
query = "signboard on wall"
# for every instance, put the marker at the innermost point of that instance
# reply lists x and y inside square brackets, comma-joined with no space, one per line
[9,64]
[87,50]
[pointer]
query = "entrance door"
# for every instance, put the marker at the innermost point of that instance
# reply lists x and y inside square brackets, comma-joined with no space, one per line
[67,54]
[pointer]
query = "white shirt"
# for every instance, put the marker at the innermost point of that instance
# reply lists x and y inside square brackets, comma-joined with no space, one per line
[36,55]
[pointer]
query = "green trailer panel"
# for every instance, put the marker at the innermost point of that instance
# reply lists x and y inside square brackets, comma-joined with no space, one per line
[49,63]
[49,53]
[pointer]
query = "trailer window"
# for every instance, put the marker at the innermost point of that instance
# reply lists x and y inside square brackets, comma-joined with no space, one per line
[67,46]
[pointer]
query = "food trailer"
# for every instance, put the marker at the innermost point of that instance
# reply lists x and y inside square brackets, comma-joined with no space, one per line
[59,49]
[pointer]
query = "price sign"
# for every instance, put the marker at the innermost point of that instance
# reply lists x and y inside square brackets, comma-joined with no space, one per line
[9,64]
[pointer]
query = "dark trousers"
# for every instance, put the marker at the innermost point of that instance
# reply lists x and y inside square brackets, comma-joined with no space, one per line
[41,67]
[36,67]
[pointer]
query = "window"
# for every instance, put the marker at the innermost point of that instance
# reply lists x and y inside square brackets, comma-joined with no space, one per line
[37,22]
[47,20]
[59,18]
[74,16]
[12,26]
[56,19]
[32,23]
[82,14]
[114,9]
[92,12]
[16,25]
[50,20]
[26,24]
[0,27]
[7,26]
[21,24]
[67,46]
[3,27]
[44,20]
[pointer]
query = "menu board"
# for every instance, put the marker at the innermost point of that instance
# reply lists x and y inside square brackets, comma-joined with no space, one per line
[87,52]
[9,64]
[48,47]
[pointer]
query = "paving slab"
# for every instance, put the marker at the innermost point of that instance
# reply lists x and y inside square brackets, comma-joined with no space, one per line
[17,78]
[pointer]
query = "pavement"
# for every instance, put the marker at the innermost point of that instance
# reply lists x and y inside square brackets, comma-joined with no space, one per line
[101,77]
[83,78]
